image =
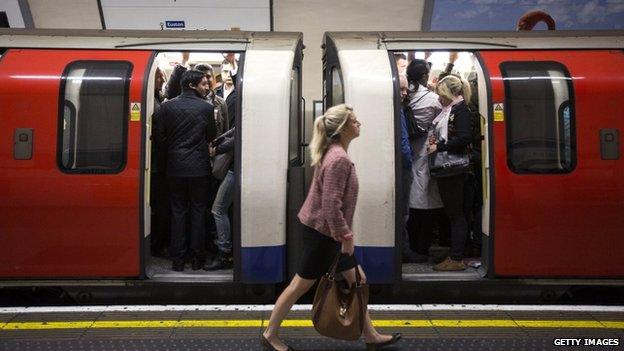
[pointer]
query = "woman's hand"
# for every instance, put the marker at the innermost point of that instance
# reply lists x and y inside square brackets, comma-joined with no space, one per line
[432,148]
[348,247]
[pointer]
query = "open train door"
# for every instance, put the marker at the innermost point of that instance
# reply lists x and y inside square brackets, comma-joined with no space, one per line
[555,119]
[297,150]
[360,75]
[270,155]
[70,160]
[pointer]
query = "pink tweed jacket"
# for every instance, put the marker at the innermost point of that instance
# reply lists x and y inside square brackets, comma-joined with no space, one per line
[330,203]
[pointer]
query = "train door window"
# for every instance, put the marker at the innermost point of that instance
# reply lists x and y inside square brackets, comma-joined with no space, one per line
[93,116]
[4,20]
[539,110]
[294,136]
[337,87]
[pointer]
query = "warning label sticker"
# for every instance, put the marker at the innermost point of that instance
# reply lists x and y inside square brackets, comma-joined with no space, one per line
[135,111]
[499,113]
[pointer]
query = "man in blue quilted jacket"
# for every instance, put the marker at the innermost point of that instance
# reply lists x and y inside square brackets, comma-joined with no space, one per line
[185,129]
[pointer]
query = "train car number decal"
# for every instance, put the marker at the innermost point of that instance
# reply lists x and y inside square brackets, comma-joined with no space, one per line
[135,111]
[499,114]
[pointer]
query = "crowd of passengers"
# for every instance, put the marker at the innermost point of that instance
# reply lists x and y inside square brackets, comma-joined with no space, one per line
[437,116]
[194,120]
[192,164]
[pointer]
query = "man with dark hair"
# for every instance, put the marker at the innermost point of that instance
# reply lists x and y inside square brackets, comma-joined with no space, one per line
[173,90]
[401,62]
[186,128]
[217,101]
[228,91]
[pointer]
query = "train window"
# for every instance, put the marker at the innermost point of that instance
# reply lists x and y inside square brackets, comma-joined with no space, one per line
[337,91]
[295,119]
[4,20]
[539,108]
[93,116]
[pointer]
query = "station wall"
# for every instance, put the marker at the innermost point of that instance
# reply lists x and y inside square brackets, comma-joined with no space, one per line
[314,17]
[65,14]
[250,15]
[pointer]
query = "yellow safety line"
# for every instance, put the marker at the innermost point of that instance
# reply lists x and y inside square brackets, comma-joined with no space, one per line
[306,323]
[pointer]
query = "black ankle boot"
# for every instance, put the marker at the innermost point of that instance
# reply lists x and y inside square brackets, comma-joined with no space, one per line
[221,261]
[177,265]
[198,263]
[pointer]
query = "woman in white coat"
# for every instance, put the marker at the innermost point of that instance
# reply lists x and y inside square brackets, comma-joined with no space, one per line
[426,208]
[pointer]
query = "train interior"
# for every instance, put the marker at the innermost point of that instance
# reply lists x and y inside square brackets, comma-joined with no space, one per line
[428,249]
[158,263]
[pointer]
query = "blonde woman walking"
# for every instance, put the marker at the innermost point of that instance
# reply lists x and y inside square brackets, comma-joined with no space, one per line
[327,215]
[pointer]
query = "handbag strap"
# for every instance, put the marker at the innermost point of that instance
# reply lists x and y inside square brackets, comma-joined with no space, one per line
[332,269]
[420,98]
[331,274]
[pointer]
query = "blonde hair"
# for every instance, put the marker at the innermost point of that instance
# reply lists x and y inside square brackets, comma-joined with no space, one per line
[327,128]
[451,86]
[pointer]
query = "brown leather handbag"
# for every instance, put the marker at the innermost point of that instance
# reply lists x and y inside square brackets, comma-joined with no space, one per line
[338,311]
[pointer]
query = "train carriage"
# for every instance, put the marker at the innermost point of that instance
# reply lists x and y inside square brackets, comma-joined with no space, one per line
[550,120]
[76,111]
[75,160]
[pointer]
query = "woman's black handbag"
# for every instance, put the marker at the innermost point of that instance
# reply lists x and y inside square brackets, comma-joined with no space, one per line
[444,164]
[414,130]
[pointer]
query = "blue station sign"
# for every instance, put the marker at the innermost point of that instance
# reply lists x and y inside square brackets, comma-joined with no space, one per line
[174,24]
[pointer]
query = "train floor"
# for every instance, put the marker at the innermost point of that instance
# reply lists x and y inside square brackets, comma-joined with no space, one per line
[160,269]
[424,271]
[230,327]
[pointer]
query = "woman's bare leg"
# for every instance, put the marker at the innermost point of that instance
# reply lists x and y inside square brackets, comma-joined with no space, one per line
[297,287]
[370,333]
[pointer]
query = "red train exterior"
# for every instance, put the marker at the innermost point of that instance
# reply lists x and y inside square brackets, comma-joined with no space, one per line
[46,213]
[569,224]
[544,225]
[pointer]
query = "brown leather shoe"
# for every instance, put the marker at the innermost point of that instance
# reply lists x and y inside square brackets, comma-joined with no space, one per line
[449,265]
[371,346]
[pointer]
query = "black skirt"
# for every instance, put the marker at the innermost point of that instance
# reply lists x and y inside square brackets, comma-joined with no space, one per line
[318,253]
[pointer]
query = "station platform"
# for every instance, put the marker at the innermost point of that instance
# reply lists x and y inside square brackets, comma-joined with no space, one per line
[238,327]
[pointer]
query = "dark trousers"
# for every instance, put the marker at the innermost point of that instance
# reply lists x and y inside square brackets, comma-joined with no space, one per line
[161,212]
[420,227]
[408,178]
[189,197]
[456,193]
[477,203]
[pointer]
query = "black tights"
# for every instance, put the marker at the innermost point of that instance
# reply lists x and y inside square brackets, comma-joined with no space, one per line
[420,228]
[457,193]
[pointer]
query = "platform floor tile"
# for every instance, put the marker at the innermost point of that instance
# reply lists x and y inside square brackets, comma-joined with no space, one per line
[307,344]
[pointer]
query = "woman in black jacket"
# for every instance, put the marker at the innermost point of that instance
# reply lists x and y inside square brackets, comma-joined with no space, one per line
[454,131]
